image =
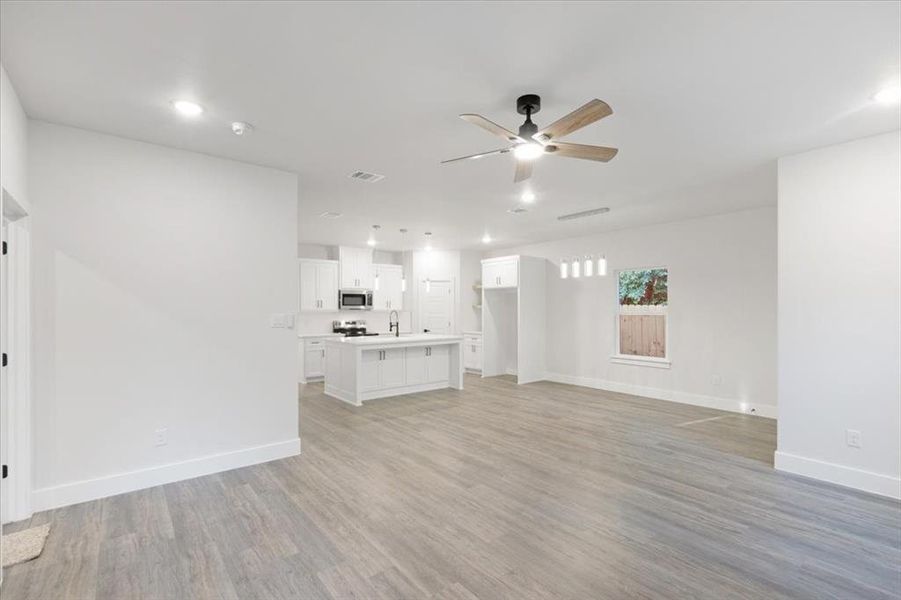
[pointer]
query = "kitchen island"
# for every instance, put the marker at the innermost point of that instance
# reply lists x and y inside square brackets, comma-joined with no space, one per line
[364,368]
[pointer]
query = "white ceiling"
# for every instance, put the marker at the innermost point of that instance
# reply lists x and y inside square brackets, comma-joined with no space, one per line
[705,97]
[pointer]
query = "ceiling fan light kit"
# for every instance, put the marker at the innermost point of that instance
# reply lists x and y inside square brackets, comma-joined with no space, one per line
[531,143]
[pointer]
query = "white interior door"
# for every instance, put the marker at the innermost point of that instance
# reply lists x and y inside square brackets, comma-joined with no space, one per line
[4,384]
[436,306]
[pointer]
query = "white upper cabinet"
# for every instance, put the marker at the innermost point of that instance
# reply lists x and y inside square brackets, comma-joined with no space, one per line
[356,267]
[318,285]
[387,290]
[500,272]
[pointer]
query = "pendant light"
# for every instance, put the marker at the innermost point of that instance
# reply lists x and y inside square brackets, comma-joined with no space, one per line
[564,269]
[403,252]
[428,248]
[371,241]
[577,267]
[602,266]
[588,266]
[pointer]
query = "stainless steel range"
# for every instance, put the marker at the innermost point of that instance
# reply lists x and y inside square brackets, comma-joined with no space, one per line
[351,328]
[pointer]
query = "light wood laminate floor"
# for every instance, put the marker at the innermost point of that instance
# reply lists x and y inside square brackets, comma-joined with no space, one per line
[498,491]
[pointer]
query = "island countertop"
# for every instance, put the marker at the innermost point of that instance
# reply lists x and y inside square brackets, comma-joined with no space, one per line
[391,340]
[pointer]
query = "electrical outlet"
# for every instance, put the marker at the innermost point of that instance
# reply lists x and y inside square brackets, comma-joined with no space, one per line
[852,438]
[161,437]
[716,379]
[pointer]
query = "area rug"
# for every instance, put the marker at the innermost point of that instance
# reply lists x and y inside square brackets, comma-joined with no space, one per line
[24,545]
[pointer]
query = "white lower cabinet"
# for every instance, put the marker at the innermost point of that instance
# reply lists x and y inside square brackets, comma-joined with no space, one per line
[428,364]
[314,363]
[312,358]
[383,369]
[437,363]
[417,370]
[472,351]
[393,370]
[398,367]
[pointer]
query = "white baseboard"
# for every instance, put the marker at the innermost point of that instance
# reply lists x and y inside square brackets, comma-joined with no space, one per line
[111,485]
[342,395]
[760,410]
[867,481]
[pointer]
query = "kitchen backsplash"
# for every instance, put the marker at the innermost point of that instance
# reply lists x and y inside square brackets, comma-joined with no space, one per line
[376,321]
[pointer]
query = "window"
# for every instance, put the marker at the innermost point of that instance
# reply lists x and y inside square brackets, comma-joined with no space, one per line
[641,323]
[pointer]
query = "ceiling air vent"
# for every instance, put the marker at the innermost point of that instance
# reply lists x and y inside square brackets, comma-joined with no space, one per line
[584,213]
[330,215]
[367,177]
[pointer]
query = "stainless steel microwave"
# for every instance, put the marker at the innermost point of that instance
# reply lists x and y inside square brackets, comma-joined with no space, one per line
[355,300]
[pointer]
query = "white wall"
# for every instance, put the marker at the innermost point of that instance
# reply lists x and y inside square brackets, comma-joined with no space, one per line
[470,275]
[722,310]
[839,298]
[156,271]
[13,141]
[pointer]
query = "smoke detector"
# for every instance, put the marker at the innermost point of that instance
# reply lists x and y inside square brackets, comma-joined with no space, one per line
[241,128]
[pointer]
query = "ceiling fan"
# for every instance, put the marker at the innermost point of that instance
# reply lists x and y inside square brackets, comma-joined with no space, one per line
[530,142]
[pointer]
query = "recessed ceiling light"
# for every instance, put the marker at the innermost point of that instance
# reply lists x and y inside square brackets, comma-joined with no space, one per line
[241,128]
[486,239]
[528,196]
[528,151]
[889,95]
[187,108]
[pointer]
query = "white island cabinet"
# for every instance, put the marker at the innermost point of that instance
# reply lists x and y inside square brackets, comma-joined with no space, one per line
[365,368]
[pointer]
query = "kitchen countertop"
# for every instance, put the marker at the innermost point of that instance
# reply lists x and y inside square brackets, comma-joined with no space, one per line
[319,335]
[411,338]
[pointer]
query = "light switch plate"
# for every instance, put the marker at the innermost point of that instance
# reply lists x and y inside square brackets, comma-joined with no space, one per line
[281,321]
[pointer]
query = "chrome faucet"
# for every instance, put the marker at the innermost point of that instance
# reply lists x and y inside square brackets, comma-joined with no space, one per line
[394,323]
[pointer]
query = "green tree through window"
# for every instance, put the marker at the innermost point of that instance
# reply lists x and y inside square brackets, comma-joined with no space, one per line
[644,287]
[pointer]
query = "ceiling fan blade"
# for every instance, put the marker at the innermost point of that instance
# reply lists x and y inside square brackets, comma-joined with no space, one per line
[475,156]
[599,153]
[523,170]
[491,127]
[593,110]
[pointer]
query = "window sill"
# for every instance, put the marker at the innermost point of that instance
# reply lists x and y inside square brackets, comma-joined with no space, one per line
[641,361]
